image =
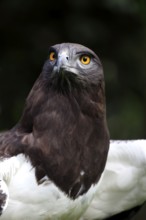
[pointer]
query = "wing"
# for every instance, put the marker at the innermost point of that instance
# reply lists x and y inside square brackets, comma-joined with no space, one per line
[11,143]
[123,183]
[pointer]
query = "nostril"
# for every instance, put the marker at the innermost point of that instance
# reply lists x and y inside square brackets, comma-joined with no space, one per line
[67,58]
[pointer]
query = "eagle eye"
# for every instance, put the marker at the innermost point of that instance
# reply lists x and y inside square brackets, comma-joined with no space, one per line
[85,59]
[52,56]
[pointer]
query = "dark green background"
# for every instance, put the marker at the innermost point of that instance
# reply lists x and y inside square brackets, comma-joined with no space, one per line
[114,29]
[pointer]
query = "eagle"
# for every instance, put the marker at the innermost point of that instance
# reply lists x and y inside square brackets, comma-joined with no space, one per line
[59,147]
[56,163]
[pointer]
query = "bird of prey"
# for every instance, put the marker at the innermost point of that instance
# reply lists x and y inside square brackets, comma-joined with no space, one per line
[55,155]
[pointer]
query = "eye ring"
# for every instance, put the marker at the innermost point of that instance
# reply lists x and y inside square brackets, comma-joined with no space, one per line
[52,56]
[85,59]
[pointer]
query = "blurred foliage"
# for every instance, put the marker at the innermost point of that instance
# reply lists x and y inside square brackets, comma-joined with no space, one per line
[114,29]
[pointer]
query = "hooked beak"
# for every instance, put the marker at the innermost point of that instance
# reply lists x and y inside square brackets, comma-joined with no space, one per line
[63,64]
[62,61]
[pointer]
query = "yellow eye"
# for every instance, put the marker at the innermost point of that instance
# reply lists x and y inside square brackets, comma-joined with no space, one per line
[52,56]
[85,59]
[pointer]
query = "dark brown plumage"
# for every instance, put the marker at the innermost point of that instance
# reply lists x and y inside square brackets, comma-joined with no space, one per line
[63,127]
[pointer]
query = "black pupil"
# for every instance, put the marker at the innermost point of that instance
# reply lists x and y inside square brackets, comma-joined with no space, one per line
[53,55]
[85,59]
